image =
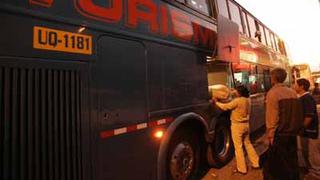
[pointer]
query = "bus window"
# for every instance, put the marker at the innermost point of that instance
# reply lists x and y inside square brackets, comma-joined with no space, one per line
[235,15]
[245,24]
[264,77]
[268,37]
[252,26]
[267,80]
[181,1]
[277,43]
[223,8]
[214,10]
[200,5]
[282,47]
[274,42]
[242,71]
[249,75]
[262,39]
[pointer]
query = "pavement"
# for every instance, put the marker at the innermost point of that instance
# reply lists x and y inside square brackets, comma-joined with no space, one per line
[225,173]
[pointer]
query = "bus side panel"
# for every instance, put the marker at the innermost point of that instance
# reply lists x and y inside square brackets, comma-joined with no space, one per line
[177,77]
[17,35]
[48,97]
[119,83]
[257,116]
[41,115]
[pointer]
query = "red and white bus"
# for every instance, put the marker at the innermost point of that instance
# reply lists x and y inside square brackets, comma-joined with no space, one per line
[118,89]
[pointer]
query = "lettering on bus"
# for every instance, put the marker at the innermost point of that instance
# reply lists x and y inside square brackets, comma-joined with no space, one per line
[161,19]
[181,25]
[136,14]
[112,13]
[203,36]
[56,40]
[44,3]
[164,21]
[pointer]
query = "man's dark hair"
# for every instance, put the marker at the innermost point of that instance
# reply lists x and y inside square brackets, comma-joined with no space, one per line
[304,83]
[243,91]
[279,74]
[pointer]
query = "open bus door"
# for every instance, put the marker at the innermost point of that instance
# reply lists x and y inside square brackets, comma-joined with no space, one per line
[228,40]
[228,51]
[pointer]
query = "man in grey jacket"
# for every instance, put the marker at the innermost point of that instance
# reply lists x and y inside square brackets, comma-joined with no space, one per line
[283,123]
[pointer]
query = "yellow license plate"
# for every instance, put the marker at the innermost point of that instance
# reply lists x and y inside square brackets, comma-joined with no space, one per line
[56,40]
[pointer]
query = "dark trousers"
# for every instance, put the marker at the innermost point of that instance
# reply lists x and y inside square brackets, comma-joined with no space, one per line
[281,159]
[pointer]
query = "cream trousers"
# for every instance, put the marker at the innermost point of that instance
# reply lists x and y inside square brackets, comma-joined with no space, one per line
[240,137]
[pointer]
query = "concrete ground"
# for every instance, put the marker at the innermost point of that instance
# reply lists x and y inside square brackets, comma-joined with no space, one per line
[225,173]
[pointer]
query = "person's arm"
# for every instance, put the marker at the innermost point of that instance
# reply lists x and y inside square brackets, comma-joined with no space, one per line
[228,106]
[272,113]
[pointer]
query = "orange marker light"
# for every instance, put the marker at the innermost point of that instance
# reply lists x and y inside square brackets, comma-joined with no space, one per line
[81,29]
[158,134]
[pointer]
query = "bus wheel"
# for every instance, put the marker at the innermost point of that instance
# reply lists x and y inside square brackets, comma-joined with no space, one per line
[183,156]
[221,150]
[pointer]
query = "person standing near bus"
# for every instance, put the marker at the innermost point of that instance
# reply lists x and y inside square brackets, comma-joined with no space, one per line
[283,123]
[316,93]
[240,107]
[309,140]
[316,90]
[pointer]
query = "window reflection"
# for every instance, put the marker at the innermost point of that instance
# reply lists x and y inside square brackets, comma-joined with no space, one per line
[235,15]
[223,8]
[200,5]
[254,78]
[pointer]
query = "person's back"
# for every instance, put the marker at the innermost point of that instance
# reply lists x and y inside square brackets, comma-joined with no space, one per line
[240,111]
[282,104]
[282,92]
[282,123]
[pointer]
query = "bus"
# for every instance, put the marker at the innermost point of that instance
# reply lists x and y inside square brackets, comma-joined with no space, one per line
[118,89]
[302,71]
[261,50]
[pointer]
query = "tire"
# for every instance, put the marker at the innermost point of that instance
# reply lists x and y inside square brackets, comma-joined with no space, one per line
[184,157]
[221,151]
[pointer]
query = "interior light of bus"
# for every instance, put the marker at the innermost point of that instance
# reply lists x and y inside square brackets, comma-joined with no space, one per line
[158,134]
[244,43]
[210,59]
[81,29]
[249,56]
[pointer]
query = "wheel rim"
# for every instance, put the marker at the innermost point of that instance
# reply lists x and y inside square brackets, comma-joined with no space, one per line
[222,142]
[182,161]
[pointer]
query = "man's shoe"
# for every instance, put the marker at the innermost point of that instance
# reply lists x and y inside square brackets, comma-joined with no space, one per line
[235,171]
[255,168]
